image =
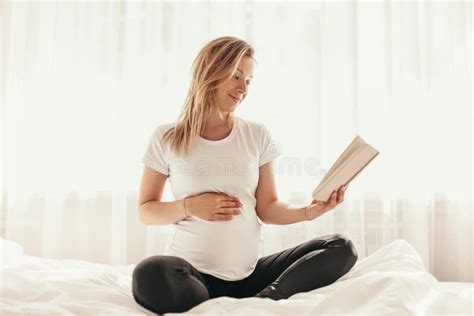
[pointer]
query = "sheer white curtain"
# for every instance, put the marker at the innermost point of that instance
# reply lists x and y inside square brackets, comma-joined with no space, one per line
[84,85]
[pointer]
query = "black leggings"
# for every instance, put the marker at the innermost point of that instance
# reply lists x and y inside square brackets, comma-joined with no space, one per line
[165,284]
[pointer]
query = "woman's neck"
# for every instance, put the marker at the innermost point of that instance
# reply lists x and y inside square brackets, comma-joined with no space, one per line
[216,120]
[217,127]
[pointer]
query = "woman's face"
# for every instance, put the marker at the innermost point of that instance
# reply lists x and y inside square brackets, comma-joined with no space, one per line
[234,90]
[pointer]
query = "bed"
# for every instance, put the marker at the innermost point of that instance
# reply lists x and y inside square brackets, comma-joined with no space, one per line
[390,281]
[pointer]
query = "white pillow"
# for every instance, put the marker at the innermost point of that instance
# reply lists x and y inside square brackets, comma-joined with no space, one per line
[10,252]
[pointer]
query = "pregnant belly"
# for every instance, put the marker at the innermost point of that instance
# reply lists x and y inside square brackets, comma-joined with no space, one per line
[218,245]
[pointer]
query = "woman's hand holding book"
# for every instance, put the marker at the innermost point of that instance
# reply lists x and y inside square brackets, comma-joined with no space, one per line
[318,208]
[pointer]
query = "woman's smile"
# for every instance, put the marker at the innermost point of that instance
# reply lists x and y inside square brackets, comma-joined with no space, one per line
[234,99]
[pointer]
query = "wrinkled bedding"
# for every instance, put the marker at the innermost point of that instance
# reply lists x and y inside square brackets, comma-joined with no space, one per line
[391,281]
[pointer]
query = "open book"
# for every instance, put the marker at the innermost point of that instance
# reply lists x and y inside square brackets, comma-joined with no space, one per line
[349,164]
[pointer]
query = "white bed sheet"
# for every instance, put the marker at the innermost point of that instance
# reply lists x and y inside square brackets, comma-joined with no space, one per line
[391,281]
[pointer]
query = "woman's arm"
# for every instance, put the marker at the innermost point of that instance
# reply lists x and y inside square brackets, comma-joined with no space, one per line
[272,211]
[162,213]
[269,209]
[151,210]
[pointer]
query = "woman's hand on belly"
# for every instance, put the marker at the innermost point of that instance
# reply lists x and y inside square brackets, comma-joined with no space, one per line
[213,206]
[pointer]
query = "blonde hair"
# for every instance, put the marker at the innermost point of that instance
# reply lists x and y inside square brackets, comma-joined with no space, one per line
[215,63]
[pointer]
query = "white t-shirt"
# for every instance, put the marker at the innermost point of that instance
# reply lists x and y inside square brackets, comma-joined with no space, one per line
[225,249]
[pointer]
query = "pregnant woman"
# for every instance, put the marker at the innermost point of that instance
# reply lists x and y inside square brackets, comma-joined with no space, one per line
[220,171]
